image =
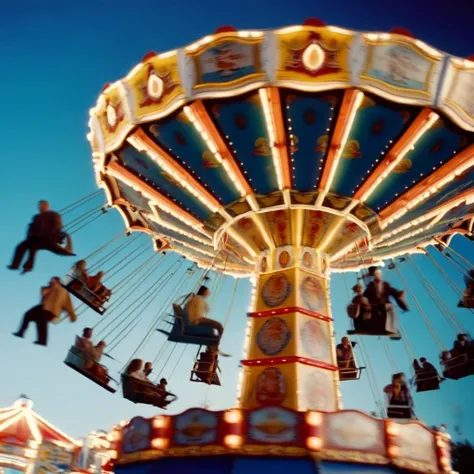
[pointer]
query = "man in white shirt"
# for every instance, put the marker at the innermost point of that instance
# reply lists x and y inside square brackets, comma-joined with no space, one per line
[197,309]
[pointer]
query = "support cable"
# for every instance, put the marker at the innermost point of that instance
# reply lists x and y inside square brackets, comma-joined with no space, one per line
[128,257]
[391,360]
[81,218]
[138,299]
[117,303]
[76,230]
[110,242]
[141,311]
[427,321]
[74,205]
[442,306]
[113,253]
[152,326]
[468,264]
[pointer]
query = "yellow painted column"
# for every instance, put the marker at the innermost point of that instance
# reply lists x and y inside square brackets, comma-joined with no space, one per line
[290,359]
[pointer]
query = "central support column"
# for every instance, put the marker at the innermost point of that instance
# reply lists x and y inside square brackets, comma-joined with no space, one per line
[290,359]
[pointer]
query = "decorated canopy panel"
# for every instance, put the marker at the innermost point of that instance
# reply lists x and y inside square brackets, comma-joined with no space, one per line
[311,136]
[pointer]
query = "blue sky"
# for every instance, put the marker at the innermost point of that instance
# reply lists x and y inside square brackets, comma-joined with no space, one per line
[56,57]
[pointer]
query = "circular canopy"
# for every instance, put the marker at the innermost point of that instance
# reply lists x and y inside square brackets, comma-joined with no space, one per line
[350,143]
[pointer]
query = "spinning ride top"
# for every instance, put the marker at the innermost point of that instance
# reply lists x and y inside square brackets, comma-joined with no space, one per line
[285,156]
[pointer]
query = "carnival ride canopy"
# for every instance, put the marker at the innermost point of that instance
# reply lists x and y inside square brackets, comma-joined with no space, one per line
[344,141]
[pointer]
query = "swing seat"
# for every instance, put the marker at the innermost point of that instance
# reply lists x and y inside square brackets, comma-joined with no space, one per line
[183,331]
[373,326]
[400,412]
[206,370]
[140,391]
[425,382]
[65,250]
[84,294]
[368,332]
[458,367]
[76,359]
[348,370]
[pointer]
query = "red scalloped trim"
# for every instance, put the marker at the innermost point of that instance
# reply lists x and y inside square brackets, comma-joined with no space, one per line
[317,22]
[149,55]
[289,360]
[291,309]
[225,29]
[398,30]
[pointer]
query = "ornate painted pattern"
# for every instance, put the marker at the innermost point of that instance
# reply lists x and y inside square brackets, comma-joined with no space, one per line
[273,336]
[276,290]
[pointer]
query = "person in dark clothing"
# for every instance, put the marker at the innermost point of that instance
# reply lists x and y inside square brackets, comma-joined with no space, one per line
[462,345]
[54,300]
[427,367]
[379,292]
[44,233]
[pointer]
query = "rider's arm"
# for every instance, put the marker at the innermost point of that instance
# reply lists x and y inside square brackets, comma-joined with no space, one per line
[58,221]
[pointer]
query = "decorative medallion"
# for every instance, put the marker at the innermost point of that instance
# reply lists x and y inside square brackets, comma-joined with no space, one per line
[352,150]
[158,84]
[312,292]
[195,427]
[403,167]
[273,336]
[112,112]
[307,260]
[284,259]
[111,115]
[262,147]
[154,86]
[322,144]
[136,435]
[209,160]
[313,57]
[271,387]
[273,425]
[276,290]
[314,338]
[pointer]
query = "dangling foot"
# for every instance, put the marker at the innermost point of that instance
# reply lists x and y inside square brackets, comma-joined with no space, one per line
[38,343]
[17,334]
[12,267]
[223,354]
[26,270]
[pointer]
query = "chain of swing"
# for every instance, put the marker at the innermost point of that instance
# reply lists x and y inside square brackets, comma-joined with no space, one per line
[130,320]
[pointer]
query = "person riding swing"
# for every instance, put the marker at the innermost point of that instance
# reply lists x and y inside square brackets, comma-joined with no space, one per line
[44,233]
[197,310]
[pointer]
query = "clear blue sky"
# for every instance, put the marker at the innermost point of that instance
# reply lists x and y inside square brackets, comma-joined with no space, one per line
[56,56]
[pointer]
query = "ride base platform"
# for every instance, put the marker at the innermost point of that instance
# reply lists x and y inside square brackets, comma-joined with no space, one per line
[278,439]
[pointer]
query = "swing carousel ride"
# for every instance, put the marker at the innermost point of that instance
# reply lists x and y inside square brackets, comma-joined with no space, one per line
[286,156]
